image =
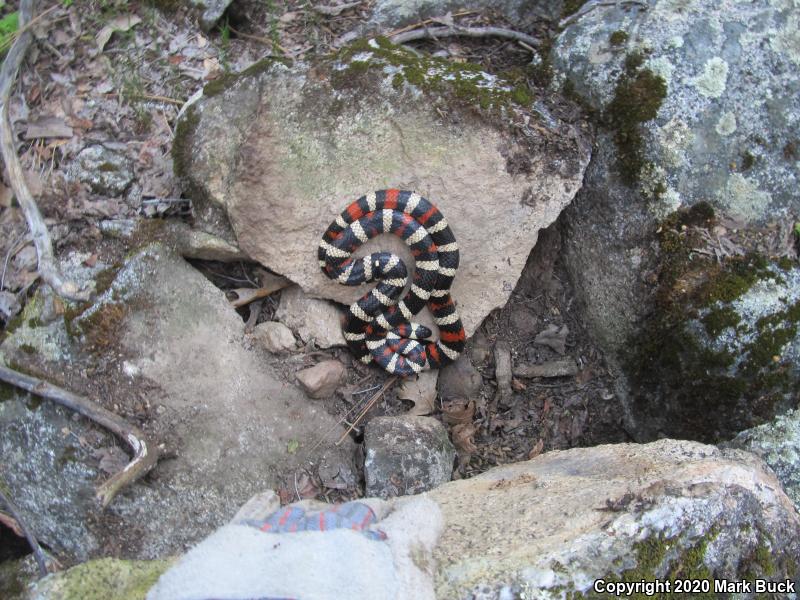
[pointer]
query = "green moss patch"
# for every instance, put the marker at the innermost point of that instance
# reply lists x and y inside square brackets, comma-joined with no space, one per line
[638,95]
[618,38]
[698,368]
[106,578]
[461,83]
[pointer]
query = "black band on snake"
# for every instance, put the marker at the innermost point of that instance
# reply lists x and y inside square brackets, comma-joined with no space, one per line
[378,326]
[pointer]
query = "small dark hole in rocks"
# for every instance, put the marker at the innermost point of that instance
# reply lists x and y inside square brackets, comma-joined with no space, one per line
[12,546]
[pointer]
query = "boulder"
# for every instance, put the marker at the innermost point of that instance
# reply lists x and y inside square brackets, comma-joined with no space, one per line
[391,14]
[699,105]
[209,12]
[233,426]
[406,455]
[714,88]
[552,526]
[778,443]
[279,152]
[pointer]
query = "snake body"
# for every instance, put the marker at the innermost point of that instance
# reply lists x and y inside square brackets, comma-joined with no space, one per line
[378,326]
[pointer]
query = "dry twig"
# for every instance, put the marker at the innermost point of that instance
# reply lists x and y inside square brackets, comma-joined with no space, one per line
[48,269]
[145,452]
[369,404]
[438,32]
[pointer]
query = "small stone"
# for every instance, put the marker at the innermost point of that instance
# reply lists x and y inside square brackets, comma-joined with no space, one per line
[406,455]
[275,337]
[106,171]
[321,380]
[313,320]
[210,11]
[460,380]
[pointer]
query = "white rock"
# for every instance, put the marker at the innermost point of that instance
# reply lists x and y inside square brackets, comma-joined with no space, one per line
[275,337]
[314,320]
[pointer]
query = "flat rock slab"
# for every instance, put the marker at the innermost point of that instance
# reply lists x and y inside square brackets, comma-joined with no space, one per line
[232,427]
[279,152]
[549,527]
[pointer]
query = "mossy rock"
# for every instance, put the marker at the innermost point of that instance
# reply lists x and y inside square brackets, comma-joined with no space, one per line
[719,355]
[103,579]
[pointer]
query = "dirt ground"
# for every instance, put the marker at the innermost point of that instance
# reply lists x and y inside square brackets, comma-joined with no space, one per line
[94,75]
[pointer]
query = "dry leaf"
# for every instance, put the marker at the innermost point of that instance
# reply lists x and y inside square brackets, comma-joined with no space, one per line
[421,391]
[306,487]
[462,439]
[458,411]
[120,23]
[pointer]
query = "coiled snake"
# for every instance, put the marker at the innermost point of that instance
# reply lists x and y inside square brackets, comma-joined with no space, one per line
[378,326]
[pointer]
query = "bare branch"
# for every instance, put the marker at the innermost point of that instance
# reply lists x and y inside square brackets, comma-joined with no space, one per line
[438,32]
[145,452]
[48,269]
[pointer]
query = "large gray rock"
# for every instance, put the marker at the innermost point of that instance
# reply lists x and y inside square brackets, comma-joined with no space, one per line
[727,129]
[281,151]
[48,468]
[550,527]
[700,102]
[778,443]
[406,455]
[232,426]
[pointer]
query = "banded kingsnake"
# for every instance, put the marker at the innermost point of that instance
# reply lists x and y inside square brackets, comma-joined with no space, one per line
[378,327]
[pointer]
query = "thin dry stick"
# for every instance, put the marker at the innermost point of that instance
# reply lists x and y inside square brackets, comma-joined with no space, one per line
[370,403]
[48,269]
[462,13]
[145,452]
[356,406]
[32,541]
[265,41]
[438,32]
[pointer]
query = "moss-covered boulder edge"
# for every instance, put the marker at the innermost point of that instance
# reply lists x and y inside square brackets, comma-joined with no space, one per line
[718,354]
[462,83]
[686,560]
[358,67]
